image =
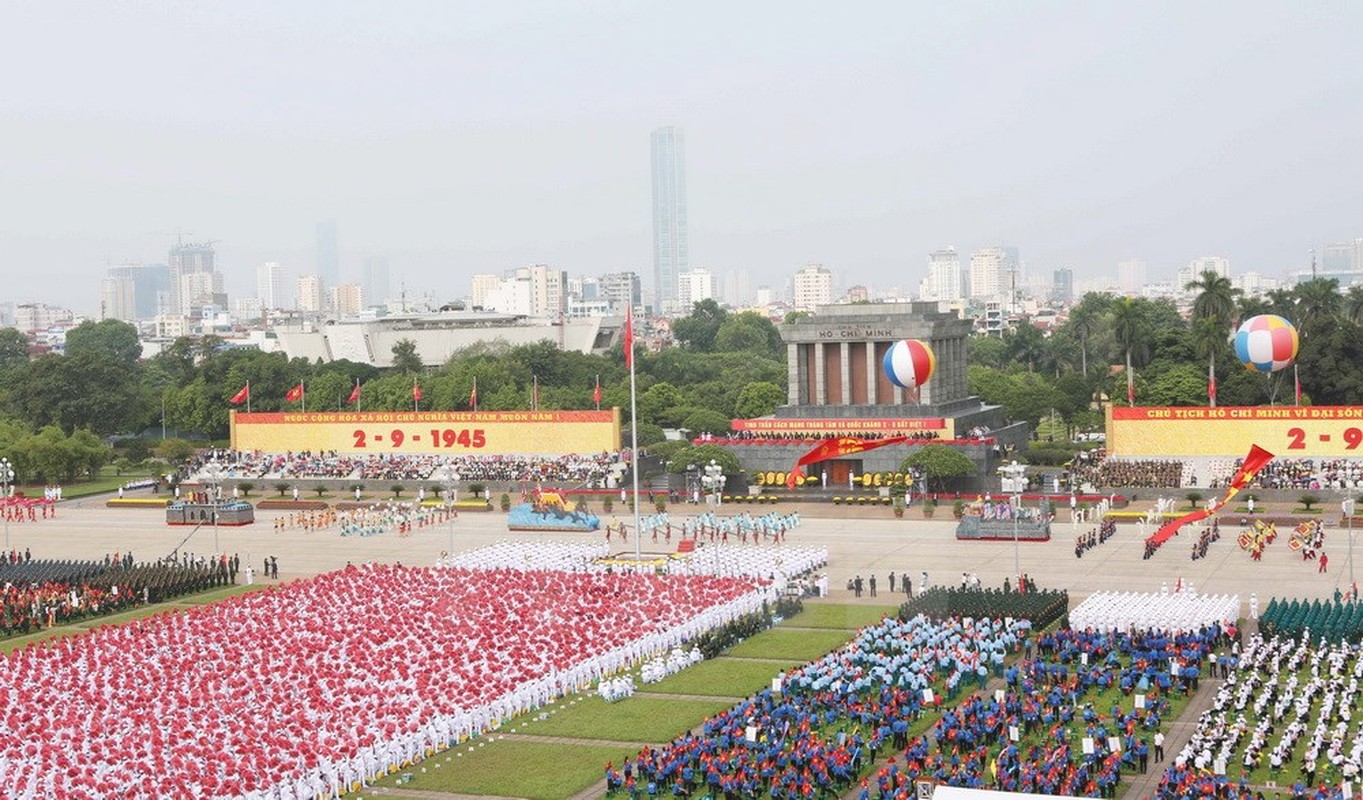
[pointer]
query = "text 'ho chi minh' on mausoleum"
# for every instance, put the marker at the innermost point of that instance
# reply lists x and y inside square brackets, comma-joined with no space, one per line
[837,386]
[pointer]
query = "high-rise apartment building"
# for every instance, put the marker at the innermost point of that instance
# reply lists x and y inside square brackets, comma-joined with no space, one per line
[1132,274]
[944,275]
[538,291]
[118,299]
[737,289]
[670,255]
[374,286]
[187,259]
[480,287]
[1193,271]
[310,293]
[694,286]
[813,287]
[271,286]
[346,300]
[150,288]
[1062,285]
[622,289]
[988,274]
[328,253]
[201,291]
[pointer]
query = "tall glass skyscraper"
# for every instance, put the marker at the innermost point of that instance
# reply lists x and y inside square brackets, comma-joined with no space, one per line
[328,253]
[670,258]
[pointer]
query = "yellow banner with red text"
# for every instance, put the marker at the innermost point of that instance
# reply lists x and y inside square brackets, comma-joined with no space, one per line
[1286,431]
[430,432]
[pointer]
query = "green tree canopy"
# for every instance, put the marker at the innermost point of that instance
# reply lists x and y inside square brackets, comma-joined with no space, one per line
[758,399]
[110,338]
[703,454]
[938,463]
[405,357]
[697,330]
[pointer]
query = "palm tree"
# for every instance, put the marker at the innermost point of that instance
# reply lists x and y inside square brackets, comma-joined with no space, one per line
[1252,306]
[1209,341]
[1131,330]
[1084,322]
[1317,298]
[1353,305]
[1215,297]
[1213,311]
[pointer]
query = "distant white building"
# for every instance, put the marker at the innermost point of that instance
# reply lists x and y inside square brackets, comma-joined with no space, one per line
[481,286]
[694,286]
[118,299]
[271,285]
[988,273]
[33,317]
[1194,269]
[944,276]
[813,287]
[1254,283]
[346,300]
[310,294]
[538,290]
[1132,274]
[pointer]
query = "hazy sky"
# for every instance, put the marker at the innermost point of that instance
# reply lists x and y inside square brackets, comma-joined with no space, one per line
[470,137]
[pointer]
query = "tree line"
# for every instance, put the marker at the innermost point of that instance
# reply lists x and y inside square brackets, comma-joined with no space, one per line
[721,366]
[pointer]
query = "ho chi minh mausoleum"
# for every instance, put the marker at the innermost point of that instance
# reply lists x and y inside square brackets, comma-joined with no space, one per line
[837,385]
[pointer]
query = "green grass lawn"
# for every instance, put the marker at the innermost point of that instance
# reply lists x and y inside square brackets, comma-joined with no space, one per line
[790,645]
[108,480]
[721,677]
[637,719]
[844,617]
[510,768]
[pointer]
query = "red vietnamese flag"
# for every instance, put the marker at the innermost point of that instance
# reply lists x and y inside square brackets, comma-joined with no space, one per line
[241,396]
[355,394]
[473,394]
[629,338]
[596,393]
[835,448]
[416,391]
[295,394]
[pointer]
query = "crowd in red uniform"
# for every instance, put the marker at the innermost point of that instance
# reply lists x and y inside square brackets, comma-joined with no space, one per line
[304,688]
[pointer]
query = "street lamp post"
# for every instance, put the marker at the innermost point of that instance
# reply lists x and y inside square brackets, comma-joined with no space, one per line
[1348,508]
[6,480]
[450,479]
[714,480]
[213,474]
[1014,483]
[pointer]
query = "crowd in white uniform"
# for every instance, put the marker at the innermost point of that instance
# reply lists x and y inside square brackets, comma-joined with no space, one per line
[613,690]
[659,667]
[1265,707]
[778,565]
[320,684]
[524,555]
[734,560]
[1184,610]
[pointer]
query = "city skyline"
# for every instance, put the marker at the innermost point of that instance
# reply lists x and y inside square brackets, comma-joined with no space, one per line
[1085,136]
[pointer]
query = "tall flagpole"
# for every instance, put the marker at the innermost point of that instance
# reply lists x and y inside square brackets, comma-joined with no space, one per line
[304,398]
[248,396]
[475,392]
[535,393]
[596,393]
[633,434]
[359,398]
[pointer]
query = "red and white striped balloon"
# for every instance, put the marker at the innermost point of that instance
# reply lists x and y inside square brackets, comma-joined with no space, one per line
[909,363]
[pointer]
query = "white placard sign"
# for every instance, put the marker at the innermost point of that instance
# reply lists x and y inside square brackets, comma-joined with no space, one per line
[1088,745]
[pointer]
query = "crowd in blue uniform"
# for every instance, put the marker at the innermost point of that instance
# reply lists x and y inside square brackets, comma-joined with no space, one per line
[835,718]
